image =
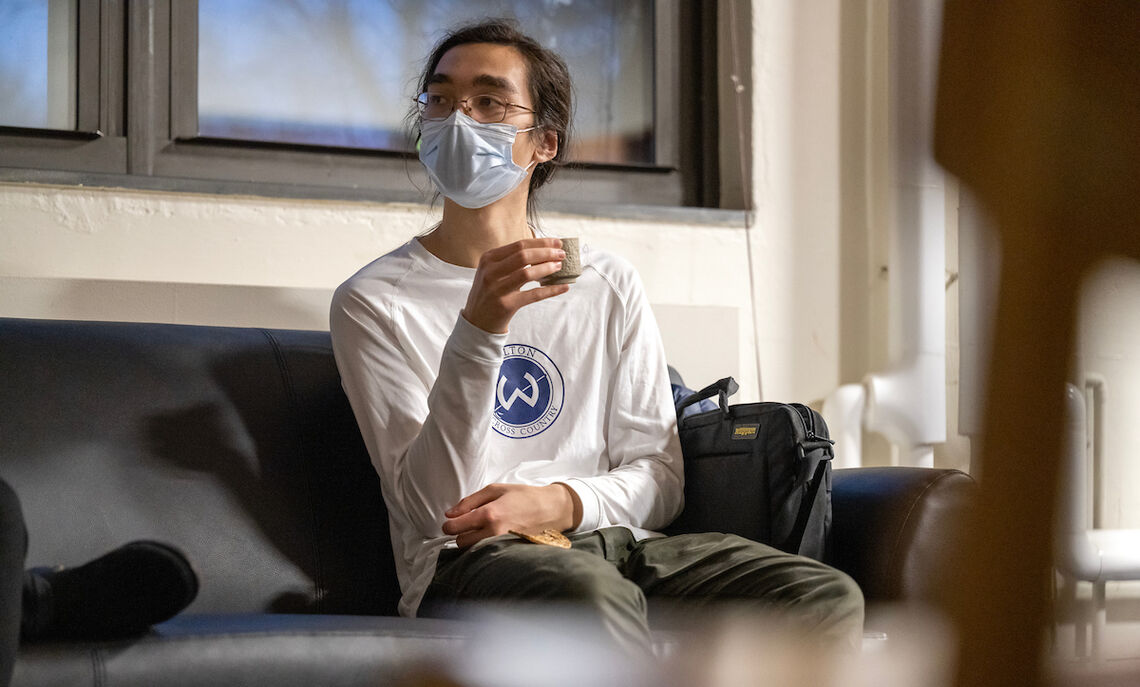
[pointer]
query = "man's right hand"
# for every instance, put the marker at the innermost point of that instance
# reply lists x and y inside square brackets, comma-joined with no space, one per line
[496,293]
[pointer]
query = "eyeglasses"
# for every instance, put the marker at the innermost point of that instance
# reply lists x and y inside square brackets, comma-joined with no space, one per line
[486,108]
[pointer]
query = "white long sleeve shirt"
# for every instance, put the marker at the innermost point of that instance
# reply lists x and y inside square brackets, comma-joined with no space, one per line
[576,392]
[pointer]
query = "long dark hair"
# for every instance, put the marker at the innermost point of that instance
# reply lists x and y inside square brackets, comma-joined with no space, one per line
[551,91]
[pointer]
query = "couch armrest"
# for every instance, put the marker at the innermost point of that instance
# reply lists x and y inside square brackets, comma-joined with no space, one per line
[893,528]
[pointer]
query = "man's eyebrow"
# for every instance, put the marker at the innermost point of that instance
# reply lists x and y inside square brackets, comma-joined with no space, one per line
[484,80]
[496,82]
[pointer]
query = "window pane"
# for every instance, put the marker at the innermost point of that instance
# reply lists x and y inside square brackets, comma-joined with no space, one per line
[342,72]
[38,63]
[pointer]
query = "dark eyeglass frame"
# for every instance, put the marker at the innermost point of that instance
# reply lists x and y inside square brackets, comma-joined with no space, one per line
[422,105]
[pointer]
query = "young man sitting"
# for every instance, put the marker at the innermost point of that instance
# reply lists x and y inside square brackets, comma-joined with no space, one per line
[490,405]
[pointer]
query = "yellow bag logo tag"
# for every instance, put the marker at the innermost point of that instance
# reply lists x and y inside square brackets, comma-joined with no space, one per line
[744,431]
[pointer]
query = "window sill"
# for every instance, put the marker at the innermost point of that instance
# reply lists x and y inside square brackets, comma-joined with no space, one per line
[714,217]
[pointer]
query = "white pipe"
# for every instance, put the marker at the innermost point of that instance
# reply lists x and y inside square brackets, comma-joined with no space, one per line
[1097,387]
[1076,555]
[843,412]
[907,401]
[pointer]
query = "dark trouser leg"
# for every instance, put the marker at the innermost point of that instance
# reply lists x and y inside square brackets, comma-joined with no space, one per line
[710,569]
[506,568]
[13,548]
[119,594]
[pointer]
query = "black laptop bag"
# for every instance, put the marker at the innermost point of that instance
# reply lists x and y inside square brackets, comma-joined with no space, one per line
[759,470]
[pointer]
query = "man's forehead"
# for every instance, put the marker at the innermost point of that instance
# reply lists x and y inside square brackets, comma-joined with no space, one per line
[490,65]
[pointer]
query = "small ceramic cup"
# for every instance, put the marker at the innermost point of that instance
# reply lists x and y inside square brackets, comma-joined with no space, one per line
[571,265]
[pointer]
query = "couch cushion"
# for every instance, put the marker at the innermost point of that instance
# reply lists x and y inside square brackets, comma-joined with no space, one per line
[236,445]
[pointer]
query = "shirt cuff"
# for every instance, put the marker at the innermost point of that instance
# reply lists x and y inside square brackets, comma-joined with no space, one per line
[591,507]
[473,343]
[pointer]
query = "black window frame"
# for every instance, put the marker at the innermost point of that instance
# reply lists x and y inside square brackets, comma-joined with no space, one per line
[137,124]
[97,144]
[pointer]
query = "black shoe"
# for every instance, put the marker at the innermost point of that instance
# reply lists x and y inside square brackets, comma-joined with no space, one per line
[120,594]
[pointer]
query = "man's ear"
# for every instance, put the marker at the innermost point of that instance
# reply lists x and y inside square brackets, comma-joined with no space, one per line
[547,147]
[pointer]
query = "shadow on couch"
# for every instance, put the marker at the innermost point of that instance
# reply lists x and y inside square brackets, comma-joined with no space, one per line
[299,472]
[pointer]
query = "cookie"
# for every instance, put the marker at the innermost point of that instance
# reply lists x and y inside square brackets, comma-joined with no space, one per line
[547,537]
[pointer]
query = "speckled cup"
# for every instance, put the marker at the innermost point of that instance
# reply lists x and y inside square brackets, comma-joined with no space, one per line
[571,265]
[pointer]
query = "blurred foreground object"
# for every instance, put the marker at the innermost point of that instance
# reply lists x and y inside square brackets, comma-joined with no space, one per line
[1038,112]
[556,646]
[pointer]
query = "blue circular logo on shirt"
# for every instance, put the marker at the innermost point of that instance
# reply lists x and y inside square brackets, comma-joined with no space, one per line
[528,392]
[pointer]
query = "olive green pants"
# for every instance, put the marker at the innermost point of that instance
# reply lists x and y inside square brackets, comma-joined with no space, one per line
[610,575]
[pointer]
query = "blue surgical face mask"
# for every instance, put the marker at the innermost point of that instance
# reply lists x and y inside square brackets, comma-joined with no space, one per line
[468,161]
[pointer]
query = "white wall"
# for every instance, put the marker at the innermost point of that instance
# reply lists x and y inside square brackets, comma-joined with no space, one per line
[796,182]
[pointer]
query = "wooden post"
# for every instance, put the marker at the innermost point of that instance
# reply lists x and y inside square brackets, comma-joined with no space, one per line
[1039,113]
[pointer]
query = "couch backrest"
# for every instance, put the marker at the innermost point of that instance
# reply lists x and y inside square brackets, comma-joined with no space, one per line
[236,445]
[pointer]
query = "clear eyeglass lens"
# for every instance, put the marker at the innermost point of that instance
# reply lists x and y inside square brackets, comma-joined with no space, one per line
[482,108]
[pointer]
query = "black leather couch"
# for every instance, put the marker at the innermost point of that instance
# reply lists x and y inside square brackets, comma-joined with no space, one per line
[238,446]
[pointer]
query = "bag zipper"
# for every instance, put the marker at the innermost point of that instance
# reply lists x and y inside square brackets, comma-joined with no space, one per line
[808,421]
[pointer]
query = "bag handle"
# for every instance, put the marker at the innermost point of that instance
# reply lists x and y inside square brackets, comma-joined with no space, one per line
[722,388]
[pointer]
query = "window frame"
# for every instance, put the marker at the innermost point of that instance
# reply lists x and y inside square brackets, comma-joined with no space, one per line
[137,124]
[97,143]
